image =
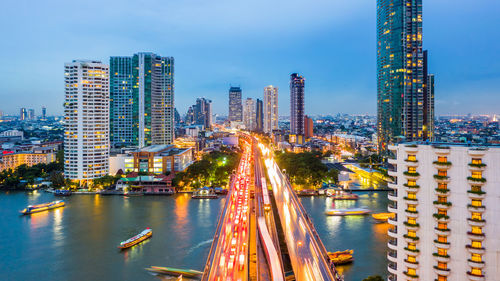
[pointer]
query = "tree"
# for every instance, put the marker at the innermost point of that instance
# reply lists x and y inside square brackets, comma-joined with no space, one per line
[57,179]
[374,278]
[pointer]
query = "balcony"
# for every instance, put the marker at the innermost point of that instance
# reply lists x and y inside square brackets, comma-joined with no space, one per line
[478,209]
[443,179]
[392,185]
[442,245]
[411,188]
[411,200]
[392,268]
[442,192]
[393,196]
[442,165]
[411,277]
[441,217]
[442,271]
[442,150]
[411,264]
[442,205]
[392,208]
[392,221]
[474,277]
[476,194]
[473,250]
[411,239]
[411,163]
[412,175]
[411,226]
[411,148]
[392,147]
[477,152]
[475,236]
[412,214]
[393,244]
[441,231]
[477,167]
[476,181]
[392,161]
[393,232]
[392,173]
[477,264]
[476,222]
[441,258]
[392,256]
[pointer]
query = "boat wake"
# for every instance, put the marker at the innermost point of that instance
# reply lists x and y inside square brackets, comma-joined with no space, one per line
[209,241]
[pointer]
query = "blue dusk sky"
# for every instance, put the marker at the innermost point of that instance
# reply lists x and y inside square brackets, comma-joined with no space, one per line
[219,43]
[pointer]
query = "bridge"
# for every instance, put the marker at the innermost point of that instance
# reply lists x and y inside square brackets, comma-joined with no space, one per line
[262,235]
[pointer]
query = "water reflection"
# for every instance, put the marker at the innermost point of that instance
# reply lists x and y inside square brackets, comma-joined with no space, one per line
[38,220]
[57,227]
[134,252]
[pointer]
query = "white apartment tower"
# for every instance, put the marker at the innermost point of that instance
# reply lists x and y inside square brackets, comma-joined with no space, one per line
[86,110]
[446,198]
[249,117]
[270,109]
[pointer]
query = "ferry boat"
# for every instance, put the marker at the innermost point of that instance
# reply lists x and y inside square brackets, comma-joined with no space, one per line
[341,257]
[42,207]
[145,234]
[307,192]
[383,217]
[190,273]
[339,194]
[348,212]
[204,193]
[62,192]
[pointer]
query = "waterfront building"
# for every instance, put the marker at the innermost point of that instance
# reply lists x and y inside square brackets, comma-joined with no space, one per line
[249,114]
[155,159]
[235,105]
[29,158]
[259,116]
[23,114]
[404,109]
[297,84]
[308,127]
[142,100]
[86,113]
[446,200]
[154,185]
[270,109]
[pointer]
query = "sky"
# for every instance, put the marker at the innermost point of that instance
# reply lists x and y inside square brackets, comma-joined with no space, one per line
[251,44]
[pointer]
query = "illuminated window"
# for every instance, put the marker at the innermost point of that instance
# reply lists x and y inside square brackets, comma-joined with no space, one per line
[476,188]
[411,221]
[412,271]
[442,173]
[442,225]
[442,199]
[442,185]
[411,259]
[442,239]
[412,246]
[476,271]
[477,161]
[412,233]
[476,258]
[442,265]
[412,195]
[476,216]
[412,169]
[442,212]
[477,244]
[412,158]
[477,174]
[477,203]
[442,278]
[412,183]
[412,208]
[442,252]
[442,159]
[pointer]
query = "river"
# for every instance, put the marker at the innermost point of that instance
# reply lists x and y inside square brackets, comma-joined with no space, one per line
[79,241]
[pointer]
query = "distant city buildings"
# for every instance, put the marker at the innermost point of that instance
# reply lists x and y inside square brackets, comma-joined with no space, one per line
[249,114]
[44,113]
[86,111]
[270,109]
[23,114]
[142,100]
[297,105]
[235,105]
[446,202]
[405,91]
[259,115]
[308,127]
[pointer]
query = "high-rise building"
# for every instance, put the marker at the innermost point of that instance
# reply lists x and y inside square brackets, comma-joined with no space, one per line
[259,116]
[446,204]
[428,88]
[31,114]
[401,93]
[297,84]
[23,114]
[308,127]
[235,105]
[86,124]
[270,108]
[249,114]
[142,100]
[203,112]
[44,113]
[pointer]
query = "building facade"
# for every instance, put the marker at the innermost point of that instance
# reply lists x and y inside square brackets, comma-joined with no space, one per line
[447,203]
[249,114]
[401,90]
[142,100]
[259,115]
[13,160]
[308,127]
[203,113]
[235,105]
[86,124]
[297,84]
[23,114]
[270,109]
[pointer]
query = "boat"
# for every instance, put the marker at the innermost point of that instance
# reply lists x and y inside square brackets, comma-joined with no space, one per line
[189,273]
[307,192]
[62,192]
[348,212]
[42,207]
[204,193]
[341,257]
[383,217]
[220,190]
[339,194]
[145,234]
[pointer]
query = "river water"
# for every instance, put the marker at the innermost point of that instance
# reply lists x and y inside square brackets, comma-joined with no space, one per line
[79,241]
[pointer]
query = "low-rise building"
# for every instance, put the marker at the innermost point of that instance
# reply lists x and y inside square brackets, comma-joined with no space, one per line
[29,158]
[159,184]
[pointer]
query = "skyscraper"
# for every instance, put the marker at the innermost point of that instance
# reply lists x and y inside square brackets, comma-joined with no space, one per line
[259,116]
[249,114]
[235,106]
[297,104]
[428,88]
[400,73]
[31,114]
[44,113]
[142,100]
[203,112]
[23,114]
[270,108]
[86,110]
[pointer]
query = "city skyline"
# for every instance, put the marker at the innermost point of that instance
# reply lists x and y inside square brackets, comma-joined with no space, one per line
[345,84]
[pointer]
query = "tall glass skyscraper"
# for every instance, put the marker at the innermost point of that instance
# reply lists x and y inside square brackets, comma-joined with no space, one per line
[297,84]
[270,108]
[401,89]
[142,100]
[235,105]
